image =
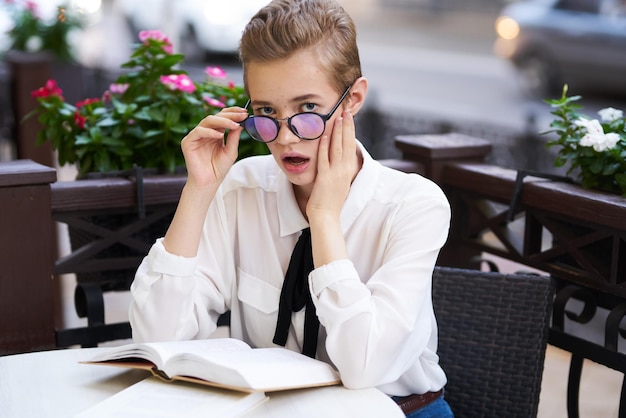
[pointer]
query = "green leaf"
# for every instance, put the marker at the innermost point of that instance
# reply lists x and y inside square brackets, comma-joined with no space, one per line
[95,134]
[596,166]
[156,114]
[113,142]
[611,168]
[153,133]
[170,61]
[620,179]
[107,122]
[124,152]
[172,116]
[180,130]
[83,140]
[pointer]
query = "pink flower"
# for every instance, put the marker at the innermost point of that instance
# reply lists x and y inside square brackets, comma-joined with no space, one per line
[157,35]
[118,88]
[32,7]
[79,120]
[180,82]
[215,72]
[49,89]
[87,102]
[214,102]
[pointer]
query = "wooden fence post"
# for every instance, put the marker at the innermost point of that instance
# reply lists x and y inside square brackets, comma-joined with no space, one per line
[26,257]
[428,155]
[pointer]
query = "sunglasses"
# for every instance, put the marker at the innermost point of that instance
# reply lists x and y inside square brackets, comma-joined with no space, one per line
[305,125]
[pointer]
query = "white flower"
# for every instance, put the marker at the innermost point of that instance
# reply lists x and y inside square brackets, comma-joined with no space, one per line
[610,114]
[34,44]
[595,136]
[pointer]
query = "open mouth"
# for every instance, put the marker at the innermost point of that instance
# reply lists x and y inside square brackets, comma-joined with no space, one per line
[296,160]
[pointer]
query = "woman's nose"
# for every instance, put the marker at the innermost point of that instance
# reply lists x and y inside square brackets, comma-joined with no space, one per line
[285,135]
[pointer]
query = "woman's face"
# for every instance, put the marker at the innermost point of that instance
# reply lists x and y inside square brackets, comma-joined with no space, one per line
[282,88]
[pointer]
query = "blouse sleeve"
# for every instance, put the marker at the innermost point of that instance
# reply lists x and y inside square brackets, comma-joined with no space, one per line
[178,298]
[380,326]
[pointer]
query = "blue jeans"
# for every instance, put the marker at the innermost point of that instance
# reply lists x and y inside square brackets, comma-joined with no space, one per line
[436,409]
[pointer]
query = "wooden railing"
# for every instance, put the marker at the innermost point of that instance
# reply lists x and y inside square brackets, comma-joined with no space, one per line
[112,223]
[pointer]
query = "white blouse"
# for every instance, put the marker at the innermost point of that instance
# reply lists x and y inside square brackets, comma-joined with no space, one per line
[375,309]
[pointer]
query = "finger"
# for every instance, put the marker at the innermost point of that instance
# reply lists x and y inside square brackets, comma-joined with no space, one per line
[322,154]
[200,132]
[232,142]
[336,143]
[348,134]
[223,120]
[233,109]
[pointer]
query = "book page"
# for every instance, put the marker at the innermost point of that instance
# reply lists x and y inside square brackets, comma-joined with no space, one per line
[151,398]
[161,352]
[328,402]
[264,369]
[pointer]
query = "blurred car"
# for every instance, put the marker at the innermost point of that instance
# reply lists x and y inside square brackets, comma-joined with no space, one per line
[552,42]
[205,25]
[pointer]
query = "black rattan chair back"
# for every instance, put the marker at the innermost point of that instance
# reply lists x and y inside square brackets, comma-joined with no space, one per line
[493,330]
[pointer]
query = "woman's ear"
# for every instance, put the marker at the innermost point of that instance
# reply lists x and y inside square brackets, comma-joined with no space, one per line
[356,97]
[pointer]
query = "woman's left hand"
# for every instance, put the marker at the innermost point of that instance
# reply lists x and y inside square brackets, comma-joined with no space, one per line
[337,165]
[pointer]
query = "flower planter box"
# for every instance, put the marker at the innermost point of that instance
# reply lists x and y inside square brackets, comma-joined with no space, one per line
[588,231]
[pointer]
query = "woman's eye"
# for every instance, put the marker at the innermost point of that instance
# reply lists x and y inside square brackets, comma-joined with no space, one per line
[309,107]
[264,111]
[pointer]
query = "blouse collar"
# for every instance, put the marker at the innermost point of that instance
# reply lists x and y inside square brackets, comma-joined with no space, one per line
[292,220]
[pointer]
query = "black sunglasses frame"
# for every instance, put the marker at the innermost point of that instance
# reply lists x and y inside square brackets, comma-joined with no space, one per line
[288,120]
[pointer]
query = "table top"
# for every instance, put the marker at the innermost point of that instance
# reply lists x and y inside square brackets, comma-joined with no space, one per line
[55,384]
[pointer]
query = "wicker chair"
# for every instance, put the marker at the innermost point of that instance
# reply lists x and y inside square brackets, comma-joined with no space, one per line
[492,338]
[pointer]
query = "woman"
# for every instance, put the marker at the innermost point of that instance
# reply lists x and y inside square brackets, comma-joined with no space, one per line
[239,240]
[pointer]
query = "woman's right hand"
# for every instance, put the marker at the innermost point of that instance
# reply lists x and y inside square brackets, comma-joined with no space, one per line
[207,156]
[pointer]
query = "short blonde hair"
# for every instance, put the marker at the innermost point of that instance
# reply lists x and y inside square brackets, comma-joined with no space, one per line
[284,27]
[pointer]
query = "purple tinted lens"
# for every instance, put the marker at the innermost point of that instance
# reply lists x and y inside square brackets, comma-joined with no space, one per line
[261,128]
[308,125]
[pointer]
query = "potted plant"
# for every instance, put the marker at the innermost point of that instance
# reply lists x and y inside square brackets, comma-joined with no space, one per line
[32,32]
[39,45]
[141,118]
[138,121]
[595,148]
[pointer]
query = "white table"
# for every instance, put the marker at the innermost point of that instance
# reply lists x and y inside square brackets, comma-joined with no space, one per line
[54,384]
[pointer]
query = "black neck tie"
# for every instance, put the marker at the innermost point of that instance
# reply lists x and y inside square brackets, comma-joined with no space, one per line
[295,295]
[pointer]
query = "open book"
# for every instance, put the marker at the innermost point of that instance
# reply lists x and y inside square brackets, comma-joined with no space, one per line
[223,362]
